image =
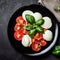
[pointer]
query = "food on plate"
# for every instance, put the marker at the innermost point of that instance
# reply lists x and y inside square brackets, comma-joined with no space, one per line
[18,35]
[40,29]
[36,47]
[47,23]
[40,21]
[48,35]
[30,18]
[37,16]
[26,12]
[26,41]
[32,30]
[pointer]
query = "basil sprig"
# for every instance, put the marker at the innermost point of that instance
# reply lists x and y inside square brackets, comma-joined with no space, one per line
[30,18]
[33,26]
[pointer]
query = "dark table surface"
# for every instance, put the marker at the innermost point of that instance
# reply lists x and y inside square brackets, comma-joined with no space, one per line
[7,52]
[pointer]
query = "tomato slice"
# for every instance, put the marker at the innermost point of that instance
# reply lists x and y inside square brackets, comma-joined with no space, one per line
[43,43]
[41,36]
[36,47]
[17,27]
[33,40]
[37,36]
[25,31]
[24,22]
[19,19]
[18,35]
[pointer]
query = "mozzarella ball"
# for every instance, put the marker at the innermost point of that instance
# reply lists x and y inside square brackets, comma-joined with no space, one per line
[26,12]
[37,16]
[47,23]
[48,35]
[26,41]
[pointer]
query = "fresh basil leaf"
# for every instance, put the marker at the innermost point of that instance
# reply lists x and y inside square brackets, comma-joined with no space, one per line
[40,29]
[40,21]
[32,32]
[30,18]
[28,27]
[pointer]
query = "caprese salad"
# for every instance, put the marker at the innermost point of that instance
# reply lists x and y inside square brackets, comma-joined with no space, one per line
[32,29]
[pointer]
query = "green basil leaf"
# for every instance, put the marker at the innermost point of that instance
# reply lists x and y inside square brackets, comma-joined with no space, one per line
[57,47]
[30,18]
[35,26]
[40,29]
[56,51]
[32,32]
[40,22]
[28,27]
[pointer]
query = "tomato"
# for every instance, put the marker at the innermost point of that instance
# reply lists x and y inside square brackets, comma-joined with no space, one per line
[37,36]
[43,43]
[41,36]
[19,19]
[17,27]
[18,35]
[36,47]
[25,31]
[24,22]
[33,40]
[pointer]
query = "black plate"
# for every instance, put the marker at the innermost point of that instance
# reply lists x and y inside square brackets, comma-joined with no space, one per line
[35,8]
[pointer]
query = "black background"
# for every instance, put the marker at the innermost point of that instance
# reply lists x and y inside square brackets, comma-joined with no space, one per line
[7,52]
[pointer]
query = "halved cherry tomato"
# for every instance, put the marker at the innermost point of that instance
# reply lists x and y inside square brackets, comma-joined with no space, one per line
[33,40]
[17,27]
[25,31]
[43,43]
[18,35]
[37,36]
[41,36]
[36,47]
[19,20]
[24,22]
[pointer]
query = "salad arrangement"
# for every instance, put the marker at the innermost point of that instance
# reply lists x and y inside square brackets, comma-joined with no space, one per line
[33,30]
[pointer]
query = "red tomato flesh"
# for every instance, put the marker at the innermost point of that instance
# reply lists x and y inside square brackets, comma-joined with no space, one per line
[36,47]
[17,27]
[18,35]
[43,43]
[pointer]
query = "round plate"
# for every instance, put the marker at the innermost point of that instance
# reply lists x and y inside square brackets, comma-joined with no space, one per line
[17,45]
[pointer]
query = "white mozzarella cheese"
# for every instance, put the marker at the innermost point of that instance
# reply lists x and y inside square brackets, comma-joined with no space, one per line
[26,12]
[47,23]
[37,16]
[26,41]
[48,35]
